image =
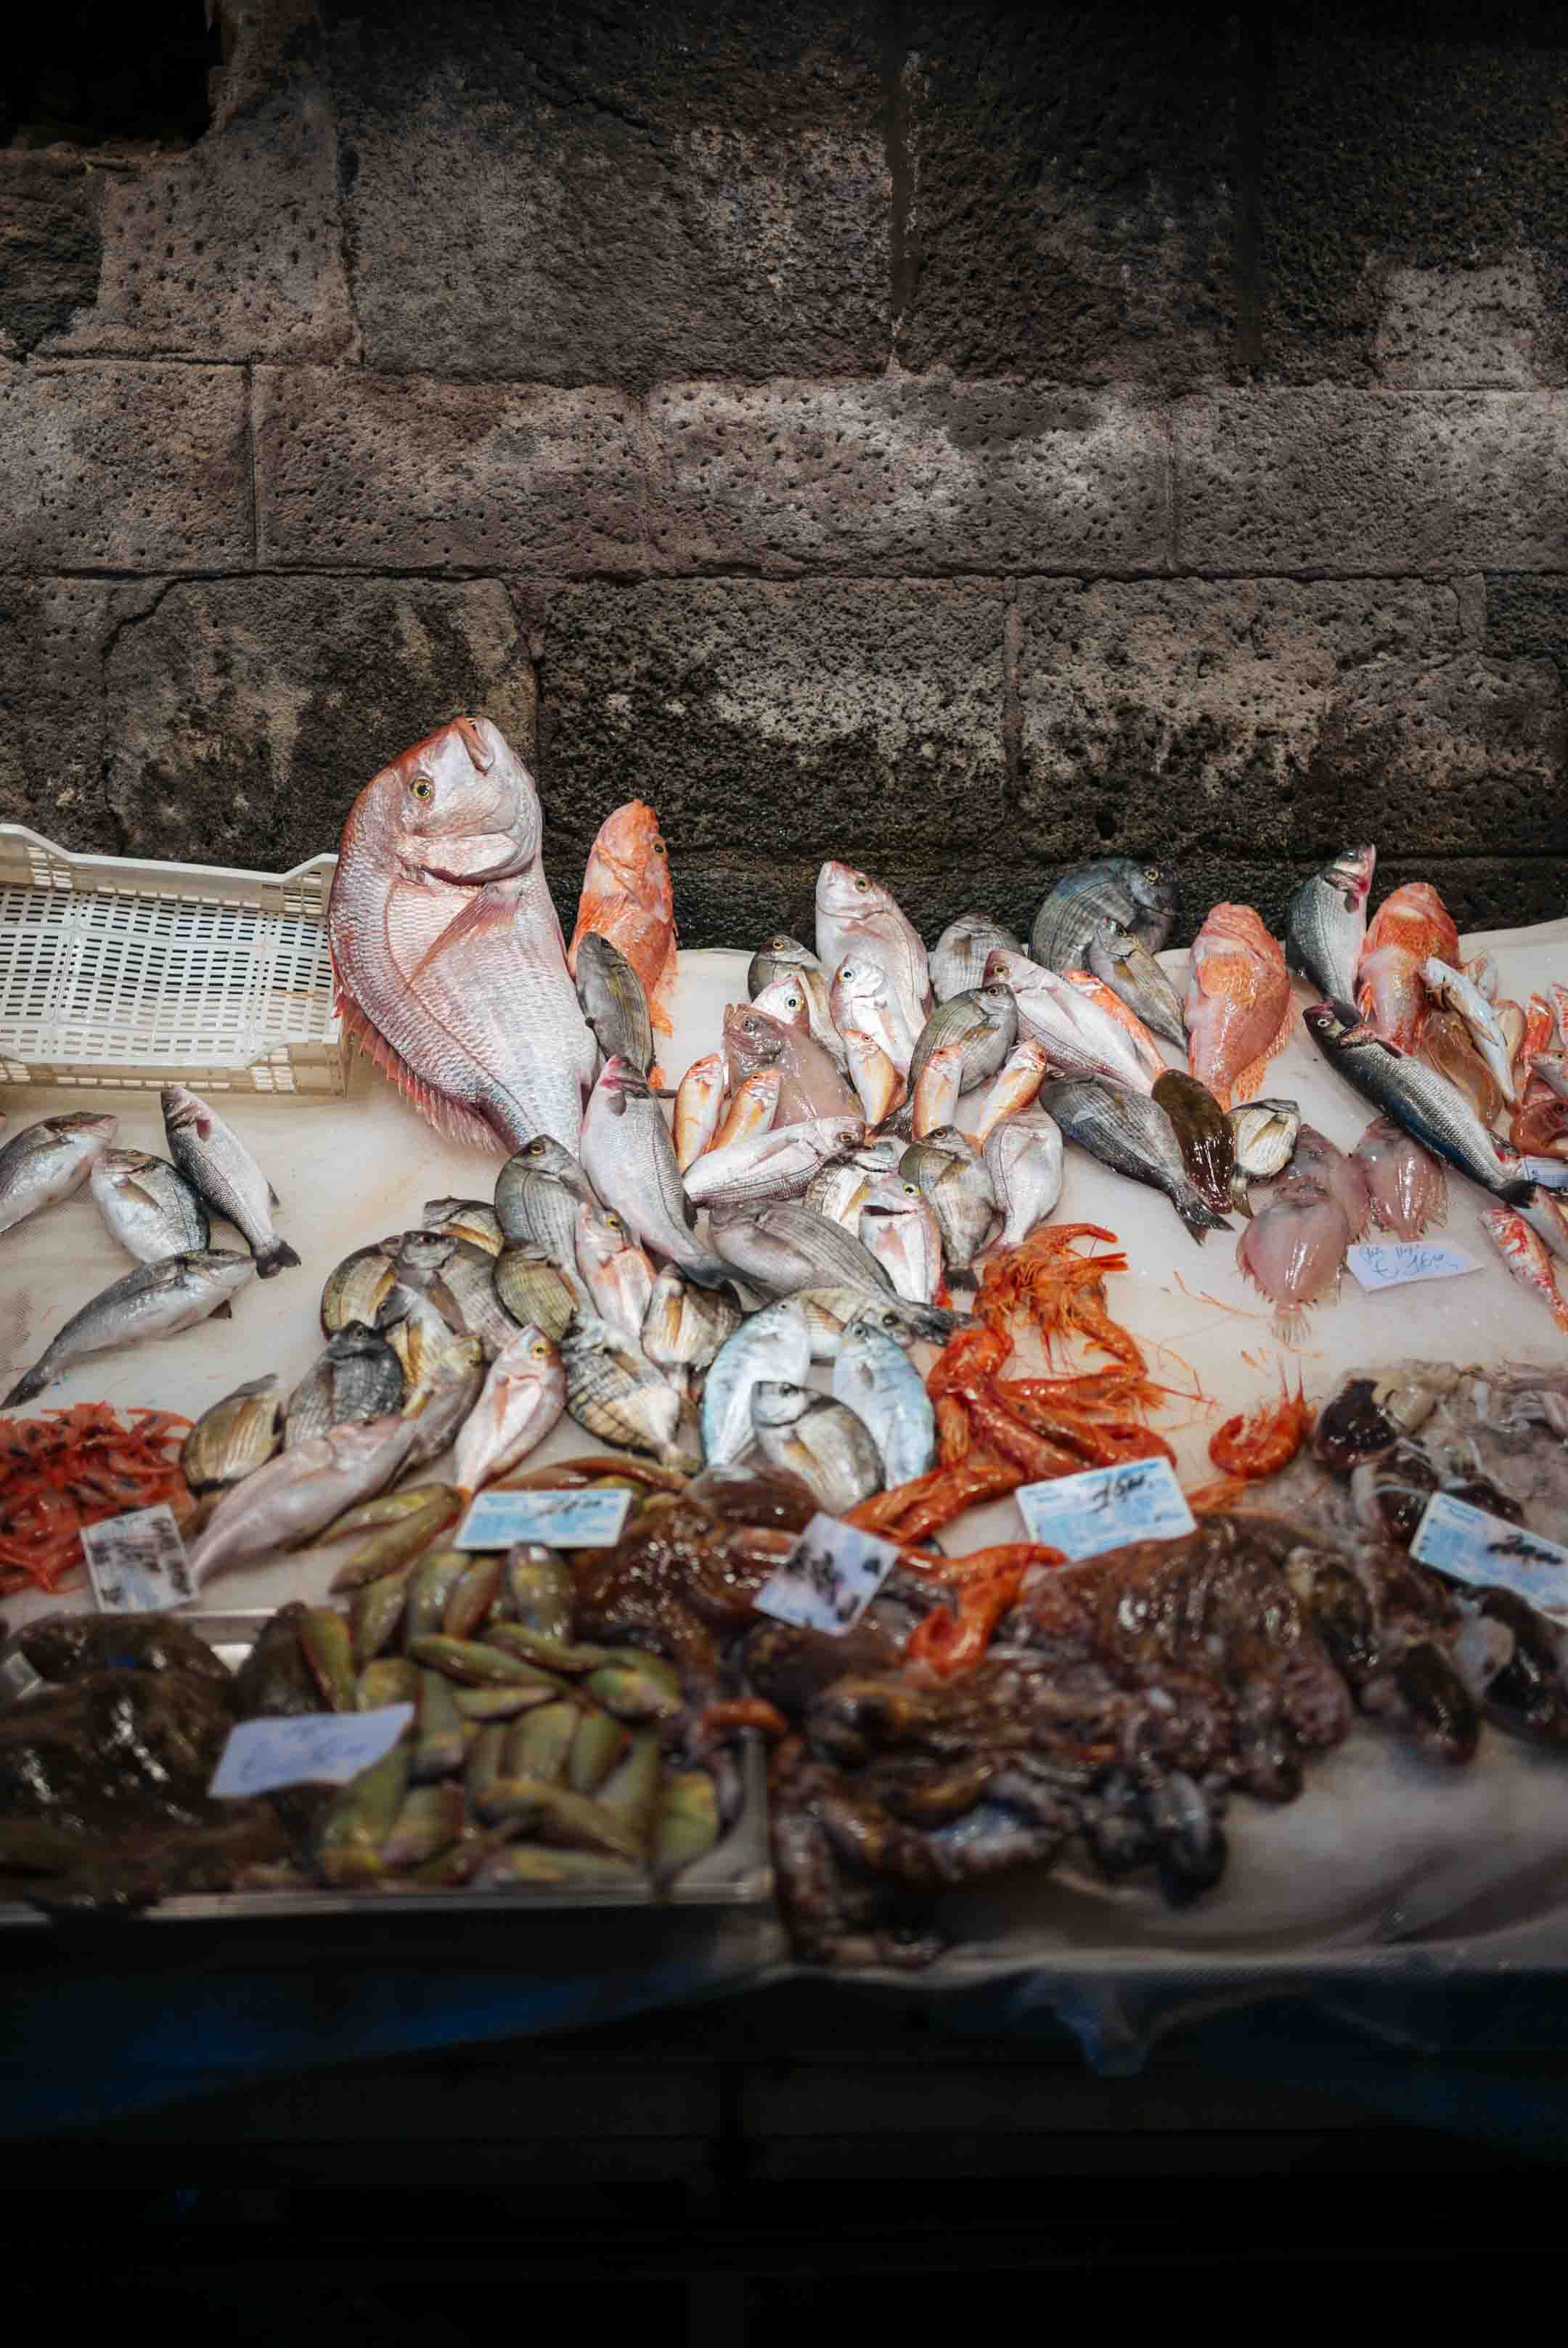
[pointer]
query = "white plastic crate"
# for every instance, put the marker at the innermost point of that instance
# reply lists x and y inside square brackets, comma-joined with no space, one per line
[116,972]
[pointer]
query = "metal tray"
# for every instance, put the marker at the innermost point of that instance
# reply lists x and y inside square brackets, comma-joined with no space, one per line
[737,1873]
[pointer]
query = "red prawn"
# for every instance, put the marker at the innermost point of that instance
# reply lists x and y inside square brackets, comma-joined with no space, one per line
[1252,1448]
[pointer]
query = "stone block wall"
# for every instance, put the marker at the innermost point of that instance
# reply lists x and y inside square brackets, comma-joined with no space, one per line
[963,438]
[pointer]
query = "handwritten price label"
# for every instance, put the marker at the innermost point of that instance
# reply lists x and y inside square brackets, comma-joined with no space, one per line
[313,1749]
[1388,1263]
[1477,1548]
[1086,1515]
[829,1578]
[558,1519]
[137,1562]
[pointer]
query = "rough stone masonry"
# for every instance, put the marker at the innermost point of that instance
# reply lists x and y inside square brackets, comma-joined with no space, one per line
[963,437]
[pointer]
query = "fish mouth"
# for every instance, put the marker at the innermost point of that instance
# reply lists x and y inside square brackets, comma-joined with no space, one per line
[460,870]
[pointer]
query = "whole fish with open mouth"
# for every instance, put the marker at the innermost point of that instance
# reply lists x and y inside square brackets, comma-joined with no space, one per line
[472,1220]
[537,1193]
[751,1108]
[856,913]
[1416,1097]
[148,1204]
[1406,1188]
[982,1023]
[699,1108]
[898,1226]
[616,1394]
[810,1086]
[521,1400]
[781,956]
[234,1436]
[534,1290]
[1454,991]
[49,1160]
[874,1377]
[628,898]
[1127,967]
[778,1164]
[958,961]
[1207,1145]
[154,1300]
[300,1492]
[459,1281]
[818,1440]
[357,1376]
[1325,924]
[1131,1133]
[773,1343]
[630,1158]
[216,1162]
[450,965]
[685,1328]
[1023,1159]
[882,1090]
[1082,1038]
[947,1169]
[617,1274]
[614,1004]
[1142,897]
[863,1002]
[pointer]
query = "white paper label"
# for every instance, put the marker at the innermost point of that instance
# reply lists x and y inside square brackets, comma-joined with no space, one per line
[1475,1547]
[138,1562]
[558,1519]
[829,1578]
[1388,1263]
[1086,1515]
[313,1749]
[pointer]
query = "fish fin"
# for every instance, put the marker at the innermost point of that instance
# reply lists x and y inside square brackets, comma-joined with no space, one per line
[273,1198]
[24,1390]
[461,1124]
[1518,1194]
[670,972]
[224,1311]
[1248,1080]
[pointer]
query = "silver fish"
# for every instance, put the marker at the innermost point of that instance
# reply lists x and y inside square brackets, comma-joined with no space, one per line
[1082,1039]
[1129,970]
[1325,924]
[1142,897]
[811,1082]
[619,1396]
[777,1164]
[442,1371]
[684,1327]
[781,956]
[1023,1158]
[1456,992]
[841,1186]
[537,1193]
[358,1377]
[233,1436]
[154,1300]
[536,1291]
[829,1309]
[616,1273]
[1416,1097]
[1131,1134]
[1264,1135]
[982,1021]
[49,1160]
[460,1282]
[774,1343]
[783,1246]
[863,1002]
[875,1378]
[215,1161]
[613,1003]
[857,912]
[148,1204]
[523,1396]
[466,1219]
[300,1492]
[630,1158]
[898,1226]
[821,1441]
[959,957]
[949,1171]
[357,1288]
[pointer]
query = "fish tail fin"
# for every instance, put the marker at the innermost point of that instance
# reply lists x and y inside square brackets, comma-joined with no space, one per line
[224,1311]
[1290,1324]
[1197,1214]
[461,1124]
[26,1387]
[1518,1194]
[275,1256]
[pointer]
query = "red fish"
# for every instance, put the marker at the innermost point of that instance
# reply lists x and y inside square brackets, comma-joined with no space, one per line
[627,899]
[1411,924]
[1238,1010]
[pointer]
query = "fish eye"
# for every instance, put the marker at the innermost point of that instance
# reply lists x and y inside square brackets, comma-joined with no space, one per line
[862,884]
[423,787]
[613,1223]
[537,1148]
[659,848]
[1151,871]
[911,1190]
[541,1350]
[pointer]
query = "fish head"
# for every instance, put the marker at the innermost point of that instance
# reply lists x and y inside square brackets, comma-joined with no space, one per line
[845,894]
[599,1235]
[1351,874]
[458,807]
[842,1134]
[84,1124]
[543,1154]
[998,1002]
[1006,969]
[419,1250]
[780,947]
[621,1086]
[1327,1028]
[778,1402]
[784,1000]
[893,1196]
[1153,887]
[752,1039]
[630,851]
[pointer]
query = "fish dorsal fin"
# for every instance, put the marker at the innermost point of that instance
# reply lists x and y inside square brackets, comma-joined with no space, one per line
[273,1198]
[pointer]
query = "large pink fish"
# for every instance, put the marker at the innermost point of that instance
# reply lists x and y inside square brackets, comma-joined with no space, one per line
[1410,924]
[450,965]
[1237,1009]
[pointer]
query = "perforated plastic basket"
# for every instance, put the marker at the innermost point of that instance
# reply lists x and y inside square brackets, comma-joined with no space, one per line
[116,972]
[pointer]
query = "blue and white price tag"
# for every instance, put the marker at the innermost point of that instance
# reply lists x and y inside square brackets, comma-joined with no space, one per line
[1478,1548]
[312,1748]
[829,1578]
[1086,1515]
[1388,1263]
[137,1562]
[592,1520]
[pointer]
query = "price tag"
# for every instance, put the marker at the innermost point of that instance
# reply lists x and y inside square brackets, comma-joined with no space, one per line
[559,1520]
[829,1578]
[1388,1263]
[312,1748]
[138,1562]
[1086,1515]
[1478,1548]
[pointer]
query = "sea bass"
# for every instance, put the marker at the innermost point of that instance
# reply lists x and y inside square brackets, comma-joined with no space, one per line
[627,897]
[449,959]
[629,1157]
[154,1300]
[1238,1009]
[1411,924]
[49,1160]
[216,1162]
[1420,1099]
[1325,924]
[148,1204]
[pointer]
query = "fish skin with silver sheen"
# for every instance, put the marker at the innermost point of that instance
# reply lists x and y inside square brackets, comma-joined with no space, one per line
[630,1158]
[1082,1039]
[1416,1097]
[958,959]
[863,1002]
[628,897]
[357,1376]
[830,1310]
[522,1398]
[837,1191]
[983,1022]
[699,1108]
[773,1343]
[534,1290]
[460,1282]
[447,947]
[1125,965]
[616,1273]
[899,1226]
[1131,1133]
[537,1193]
[442,1370]
[46,1162]
[1023,1158]
[614,1393]
[1143,897]
[1208,1149]
[783,1246]
[300,1492]
[613,1003]
[685,1328]
[811,1084]
[947,1169]
[1455,992]
[778,1164]
[474,1220]
[875,1377]
[152,1299]
[239,1433]
[147,1205]
[781,956]
[216,1162]
[1325,924]
[855,910]
[822,1441]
